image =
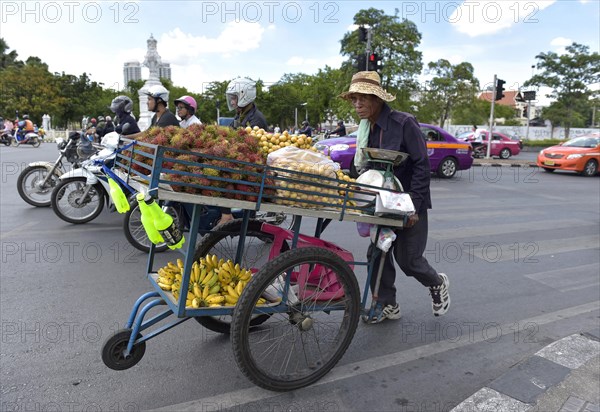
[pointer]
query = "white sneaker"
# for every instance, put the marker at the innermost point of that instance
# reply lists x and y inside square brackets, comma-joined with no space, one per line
[440,297]
[382,313]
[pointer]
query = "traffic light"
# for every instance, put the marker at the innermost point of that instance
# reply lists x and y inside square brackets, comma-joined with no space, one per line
[374,62]
[499,89]
[360,62]
[362,34]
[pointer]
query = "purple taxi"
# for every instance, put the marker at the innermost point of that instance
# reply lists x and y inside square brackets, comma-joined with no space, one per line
[446,153]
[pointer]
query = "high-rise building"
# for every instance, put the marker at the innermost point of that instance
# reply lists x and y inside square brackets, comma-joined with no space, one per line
[132,70]
[164,71]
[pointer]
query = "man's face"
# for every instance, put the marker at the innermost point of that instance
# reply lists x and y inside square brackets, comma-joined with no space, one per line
[151,103]
[233,99]
[366,105]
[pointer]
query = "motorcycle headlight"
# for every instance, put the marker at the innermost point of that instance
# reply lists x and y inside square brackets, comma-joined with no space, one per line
[339,147]
[574,156]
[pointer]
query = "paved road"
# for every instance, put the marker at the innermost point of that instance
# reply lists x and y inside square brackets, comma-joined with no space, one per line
[520,246]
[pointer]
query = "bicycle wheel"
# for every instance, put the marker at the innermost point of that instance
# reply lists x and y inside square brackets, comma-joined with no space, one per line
[223,241]
[66,201]
[296,348]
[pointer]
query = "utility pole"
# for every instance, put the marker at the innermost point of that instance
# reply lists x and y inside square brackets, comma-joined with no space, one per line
[489,145]
[368,51]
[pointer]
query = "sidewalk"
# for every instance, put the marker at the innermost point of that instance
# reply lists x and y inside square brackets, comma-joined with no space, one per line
[562,377]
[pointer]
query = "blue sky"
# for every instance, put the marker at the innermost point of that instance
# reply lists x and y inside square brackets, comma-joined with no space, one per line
[213,40]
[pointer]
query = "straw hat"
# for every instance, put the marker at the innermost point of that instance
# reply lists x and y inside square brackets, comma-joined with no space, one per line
[367,83]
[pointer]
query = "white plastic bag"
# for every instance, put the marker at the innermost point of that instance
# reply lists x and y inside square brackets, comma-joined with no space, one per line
[386,238]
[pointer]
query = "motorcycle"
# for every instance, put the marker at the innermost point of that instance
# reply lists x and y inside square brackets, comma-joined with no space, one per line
[5,138]
[36,181]
[80,195]
[30,138]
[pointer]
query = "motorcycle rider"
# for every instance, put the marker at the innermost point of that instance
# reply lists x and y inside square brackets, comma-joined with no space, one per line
[340,130]
[110,126]
[306,129]
[158,101]
[122,107]
[186,109]
[23,127]
[240,95]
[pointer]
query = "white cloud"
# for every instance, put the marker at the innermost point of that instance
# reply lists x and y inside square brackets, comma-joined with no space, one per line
[560,44]
[182,48]
[485,17]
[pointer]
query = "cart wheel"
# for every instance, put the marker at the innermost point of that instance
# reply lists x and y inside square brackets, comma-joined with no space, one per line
[222,241]
[295,348]
[113,348]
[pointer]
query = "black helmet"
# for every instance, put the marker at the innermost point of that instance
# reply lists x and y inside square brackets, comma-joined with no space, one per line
[25,116]
[305,122]
[121,104]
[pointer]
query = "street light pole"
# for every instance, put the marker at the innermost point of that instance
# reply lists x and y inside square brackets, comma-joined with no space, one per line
[296,118]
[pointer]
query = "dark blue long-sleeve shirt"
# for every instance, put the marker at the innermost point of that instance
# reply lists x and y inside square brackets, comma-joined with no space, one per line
[400,131]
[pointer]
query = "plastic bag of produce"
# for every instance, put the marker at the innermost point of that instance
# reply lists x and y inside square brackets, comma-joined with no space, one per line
[306,161]
[309,179]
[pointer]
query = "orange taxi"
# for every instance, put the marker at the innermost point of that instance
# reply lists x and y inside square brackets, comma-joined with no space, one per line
[581,155]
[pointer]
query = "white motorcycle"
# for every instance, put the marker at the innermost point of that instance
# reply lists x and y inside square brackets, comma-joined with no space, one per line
[80,195]
[36,181]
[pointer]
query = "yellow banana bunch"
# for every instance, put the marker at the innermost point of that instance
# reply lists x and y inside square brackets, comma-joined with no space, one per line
[164,286]
[230,300]
[197,291]
[210,279]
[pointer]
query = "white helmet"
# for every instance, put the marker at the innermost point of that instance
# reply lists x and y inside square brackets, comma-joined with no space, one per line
[159,92]
[244,90]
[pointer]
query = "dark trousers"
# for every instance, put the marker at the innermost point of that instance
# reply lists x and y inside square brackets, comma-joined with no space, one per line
[408,249]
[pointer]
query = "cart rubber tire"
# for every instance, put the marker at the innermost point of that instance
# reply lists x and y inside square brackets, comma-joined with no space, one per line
[43,170]
[232,228]
[112,351]
[54,201]
[241,334]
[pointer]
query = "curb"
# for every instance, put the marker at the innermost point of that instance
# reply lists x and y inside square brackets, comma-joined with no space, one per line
[524,386]
[505,164]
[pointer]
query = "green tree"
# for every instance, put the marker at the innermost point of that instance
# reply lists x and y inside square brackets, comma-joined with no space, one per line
[396,42]
[570,76]
[30,89]
[8,59]
[451,86]
[212,98]
[132,91]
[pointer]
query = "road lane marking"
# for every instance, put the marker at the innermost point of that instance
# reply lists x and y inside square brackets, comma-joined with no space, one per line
[573,278]
[529,252]
[506,228]
[235,399]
